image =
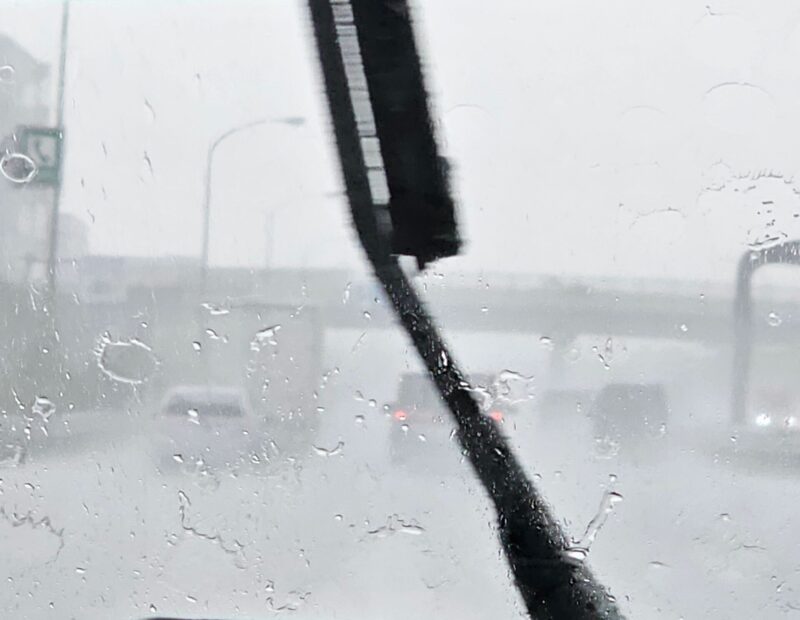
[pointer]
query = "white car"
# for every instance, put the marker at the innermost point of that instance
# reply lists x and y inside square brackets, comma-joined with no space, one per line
[205,427]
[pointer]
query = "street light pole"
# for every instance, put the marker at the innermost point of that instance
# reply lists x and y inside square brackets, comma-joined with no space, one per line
[207,194]
[52,254]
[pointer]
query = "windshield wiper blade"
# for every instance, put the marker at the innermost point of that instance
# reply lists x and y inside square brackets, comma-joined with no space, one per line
[551,583]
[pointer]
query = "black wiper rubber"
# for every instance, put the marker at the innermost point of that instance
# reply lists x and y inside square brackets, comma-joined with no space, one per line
[551,585]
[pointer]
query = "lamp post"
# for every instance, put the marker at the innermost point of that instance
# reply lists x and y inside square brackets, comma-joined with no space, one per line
[207,194]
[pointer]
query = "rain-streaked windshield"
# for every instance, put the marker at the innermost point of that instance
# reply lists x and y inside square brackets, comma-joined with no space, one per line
[208,406]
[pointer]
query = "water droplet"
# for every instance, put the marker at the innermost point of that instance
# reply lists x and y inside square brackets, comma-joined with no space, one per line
[601,357]
[153,608]
[422,438]
[605,447]
[579,549]
[213,335]
[546,342]
[125,361]
[194,416]
[367,315]
[178,458]
[338,517]
[197,346]
[151,113]
[774,319]
[372,402]
[358,396]
[18,168]
[148,162]
[512,387]
[395,524]
[264,336]
[684,328]
[575,554]
[656,564]
[215,310]
[326,452]
[7,74]
[574,354]
[80,570]
[191,598]
[484,309]
[725,517]
[359,419]
[346,294]
[43,407]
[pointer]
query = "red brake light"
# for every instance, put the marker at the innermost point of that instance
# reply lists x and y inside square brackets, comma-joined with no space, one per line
[497,416]
[400,415]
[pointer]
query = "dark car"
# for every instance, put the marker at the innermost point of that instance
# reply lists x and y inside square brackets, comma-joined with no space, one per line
[421,424]
[630,413]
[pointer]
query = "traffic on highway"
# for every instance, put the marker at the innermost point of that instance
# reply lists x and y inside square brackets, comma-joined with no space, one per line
[356,309]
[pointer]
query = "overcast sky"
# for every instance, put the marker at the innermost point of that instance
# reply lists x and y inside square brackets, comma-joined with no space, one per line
[622,138]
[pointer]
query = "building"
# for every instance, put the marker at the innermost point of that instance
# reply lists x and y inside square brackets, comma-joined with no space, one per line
[24,209]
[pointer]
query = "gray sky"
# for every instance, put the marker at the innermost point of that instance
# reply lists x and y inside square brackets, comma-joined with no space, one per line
[588,138]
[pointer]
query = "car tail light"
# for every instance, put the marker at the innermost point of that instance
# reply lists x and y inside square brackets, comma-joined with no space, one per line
[497,416]
[400,415]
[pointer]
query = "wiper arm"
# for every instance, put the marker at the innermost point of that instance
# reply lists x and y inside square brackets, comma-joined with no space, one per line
[551,584]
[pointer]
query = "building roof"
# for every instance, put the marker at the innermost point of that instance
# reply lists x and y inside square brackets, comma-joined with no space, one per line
[24,64]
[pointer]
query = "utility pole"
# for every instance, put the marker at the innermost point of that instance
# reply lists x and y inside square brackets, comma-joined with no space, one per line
[52,253]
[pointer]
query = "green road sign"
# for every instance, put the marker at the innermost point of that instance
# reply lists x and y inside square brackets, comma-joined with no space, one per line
[43,146]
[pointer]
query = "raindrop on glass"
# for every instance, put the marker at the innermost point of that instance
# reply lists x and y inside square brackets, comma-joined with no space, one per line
[774,319]
[43,407]
[151,113]
[264,336]
[18,168]
[125,361]
[215,310]
[7,74]
[337,449]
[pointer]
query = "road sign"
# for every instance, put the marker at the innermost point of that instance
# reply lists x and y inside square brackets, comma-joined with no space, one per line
[43,146]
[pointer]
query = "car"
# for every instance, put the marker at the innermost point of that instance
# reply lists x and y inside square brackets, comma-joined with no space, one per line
[771,430]
[205,426]
[629,414]
[421,424]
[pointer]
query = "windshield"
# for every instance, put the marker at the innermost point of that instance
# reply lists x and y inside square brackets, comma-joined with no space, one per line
[208,405]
